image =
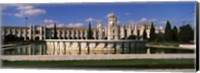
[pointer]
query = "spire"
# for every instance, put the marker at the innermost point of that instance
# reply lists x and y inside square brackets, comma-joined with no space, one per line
[99,25]
[100,22]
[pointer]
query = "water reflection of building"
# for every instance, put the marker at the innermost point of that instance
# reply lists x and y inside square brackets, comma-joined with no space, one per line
[112,31]
[68,47]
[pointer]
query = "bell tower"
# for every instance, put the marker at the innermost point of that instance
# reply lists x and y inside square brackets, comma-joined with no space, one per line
[112,23]
[112,19]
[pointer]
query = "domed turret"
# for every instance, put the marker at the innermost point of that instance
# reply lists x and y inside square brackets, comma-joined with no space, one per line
[111,15]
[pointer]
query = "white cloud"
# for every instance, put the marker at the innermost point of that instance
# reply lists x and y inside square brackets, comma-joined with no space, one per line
[22,7]
[28,10]
[50,25]
[71,25]
[49,21]
[145,21]
[90,20]
[60,25]
[74,25]
[57,25]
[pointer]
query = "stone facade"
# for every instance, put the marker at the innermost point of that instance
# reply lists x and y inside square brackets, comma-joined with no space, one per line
[112,31]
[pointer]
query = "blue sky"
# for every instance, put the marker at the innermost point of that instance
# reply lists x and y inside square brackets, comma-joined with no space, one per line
[78,15]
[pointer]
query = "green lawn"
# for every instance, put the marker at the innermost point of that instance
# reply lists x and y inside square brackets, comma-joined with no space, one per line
[132,63]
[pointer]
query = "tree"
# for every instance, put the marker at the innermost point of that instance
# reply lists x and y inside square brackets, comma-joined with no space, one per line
[168,32]
[89,31]
[175,34]
[152,33]
[55,32]
[138,34]
[144,36]
[159,37]
[132,37]
[11,37]
[186,34]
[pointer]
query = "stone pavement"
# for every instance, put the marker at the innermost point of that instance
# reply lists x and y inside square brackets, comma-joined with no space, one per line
[95,57]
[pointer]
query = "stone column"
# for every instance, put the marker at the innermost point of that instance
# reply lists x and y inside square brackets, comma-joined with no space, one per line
[64,34]
[94,34]
[44,33]
[86,34]
[24,30]
[77,34]
[30,32]
[81,35]
[58,35]
[33,32]
[72,34]
[68,35]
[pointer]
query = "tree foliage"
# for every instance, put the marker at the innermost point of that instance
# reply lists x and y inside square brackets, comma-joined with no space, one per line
[186,34]
[55,32]
[138,35]
[152,33]
[90,31]
[11,37]
[168,32]
[132,37]
[159,37]
[175,34]
[144,36]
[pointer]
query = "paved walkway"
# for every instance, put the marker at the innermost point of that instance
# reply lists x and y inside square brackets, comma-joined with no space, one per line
[95,57]
[170,47]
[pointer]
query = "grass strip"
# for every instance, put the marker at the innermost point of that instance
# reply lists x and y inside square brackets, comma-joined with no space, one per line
[130,63]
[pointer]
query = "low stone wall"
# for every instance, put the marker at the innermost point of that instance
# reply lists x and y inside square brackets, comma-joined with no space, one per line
[61,47]
[187,46]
